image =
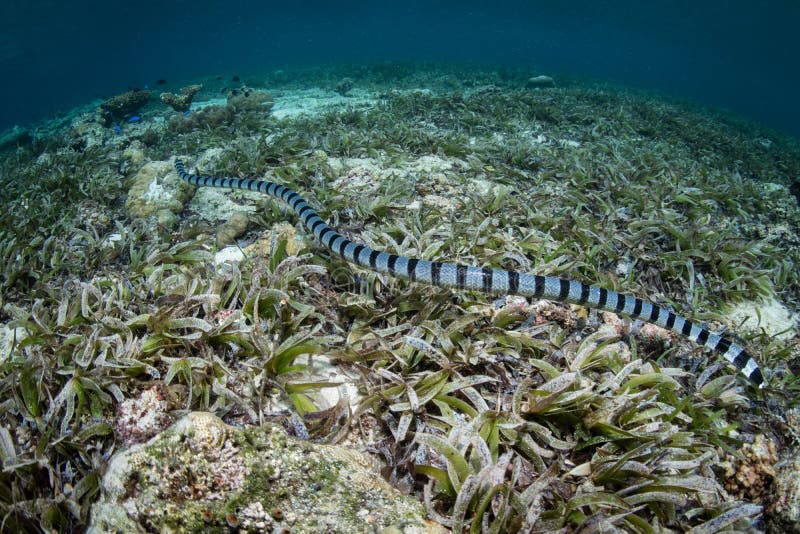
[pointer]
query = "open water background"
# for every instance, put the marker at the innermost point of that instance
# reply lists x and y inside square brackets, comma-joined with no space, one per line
[738,55]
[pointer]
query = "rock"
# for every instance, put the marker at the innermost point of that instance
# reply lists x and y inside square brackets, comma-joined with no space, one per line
[344,86]
[540,81]
[263,246]
[749,474]
[92,214]
[246,99]
[134,153]
[783,495]
[140,418]
[210,116]
[231,255]
[217,206]
[121,106]
[232,229]
[768,315]
[158,193]
[183,101]
[784,514]
[202,475]
[113,518]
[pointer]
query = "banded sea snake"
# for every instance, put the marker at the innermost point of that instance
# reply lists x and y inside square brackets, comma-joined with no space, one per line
[487,280]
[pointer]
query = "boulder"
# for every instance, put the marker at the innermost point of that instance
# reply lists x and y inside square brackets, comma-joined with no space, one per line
[201,475]
[540,81]
[158,193]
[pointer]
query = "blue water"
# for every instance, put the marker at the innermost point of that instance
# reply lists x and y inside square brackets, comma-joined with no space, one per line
[738,55]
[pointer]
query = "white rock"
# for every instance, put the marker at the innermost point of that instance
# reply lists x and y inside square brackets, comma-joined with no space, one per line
[230,254]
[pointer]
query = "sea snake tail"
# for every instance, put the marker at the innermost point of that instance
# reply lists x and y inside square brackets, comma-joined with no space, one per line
[485,279]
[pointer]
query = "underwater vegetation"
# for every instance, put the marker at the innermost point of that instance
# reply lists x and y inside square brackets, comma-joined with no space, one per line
[497,414]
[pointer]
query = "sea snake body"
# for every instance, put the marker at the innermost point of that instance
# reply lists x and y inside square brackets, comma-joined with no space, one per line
[485,279]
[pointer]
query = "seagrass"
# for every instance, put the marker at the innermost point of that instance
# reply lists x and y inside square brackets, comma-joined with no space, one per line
[487,280]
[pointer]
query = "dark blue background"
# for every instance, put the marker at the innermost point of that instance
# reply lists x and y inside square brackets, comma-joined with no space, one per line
[740,55]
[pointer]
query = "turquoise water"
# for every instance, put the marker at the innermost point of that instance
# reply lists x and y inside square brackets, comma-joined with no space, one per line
[736,55]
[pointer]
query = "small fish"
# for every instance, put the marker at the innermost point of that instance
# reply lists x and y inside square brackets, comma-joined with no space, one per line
[187,112]
[117,128]
[146,86]
[135,118]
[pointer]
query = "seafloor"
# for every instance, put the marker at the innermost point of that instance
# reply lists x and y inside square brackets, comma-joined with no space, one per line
[130,299]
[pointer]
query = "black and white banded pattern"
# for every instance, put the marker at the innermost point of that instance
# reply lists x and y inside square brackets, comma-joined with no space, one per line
[485,279]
